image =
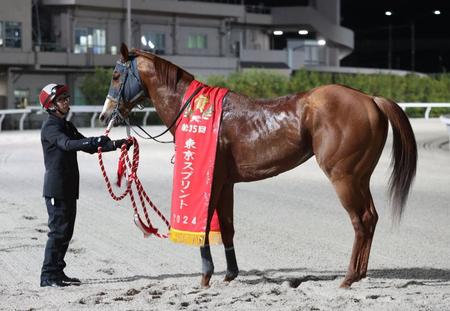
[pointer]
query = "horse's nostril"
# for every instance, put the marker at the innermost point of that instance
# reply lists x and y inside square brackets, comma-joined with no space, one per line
[102,117]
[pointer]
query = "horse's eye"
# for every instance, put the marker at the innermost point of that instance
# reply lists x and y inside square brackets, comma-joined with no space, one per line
[116,75]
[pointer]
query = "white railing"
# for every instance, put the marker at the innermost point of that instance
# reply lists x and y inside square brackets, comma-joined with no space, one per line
[446,120]
[428,107]
[23,112]
[95,110]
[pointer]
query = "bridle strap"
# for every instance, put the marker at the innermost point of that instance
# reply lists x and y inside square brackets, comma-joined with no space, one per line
[188,101]
[142,93]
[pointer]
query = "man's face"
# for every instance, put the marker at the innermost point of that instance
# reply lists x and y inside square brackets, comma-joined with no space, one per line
[63,103]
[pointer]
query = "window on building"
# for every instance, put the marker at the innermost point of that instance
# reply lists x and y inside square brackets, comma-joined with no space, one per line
[90,39]
[21,98]
[314,53]
[10,34]
[154,41]
[197,41]
[13,34]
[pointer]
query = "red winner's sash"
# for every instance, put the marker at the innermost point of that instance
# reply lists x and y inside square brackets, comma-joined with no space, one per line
[195,153]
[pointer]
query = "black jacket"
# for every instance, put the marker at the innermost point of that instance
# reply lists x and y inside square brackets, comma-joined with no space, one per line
[60,143]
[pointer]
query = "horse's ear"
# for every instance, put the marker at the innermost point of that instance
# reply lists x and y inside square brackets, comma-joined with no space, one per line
[124,52]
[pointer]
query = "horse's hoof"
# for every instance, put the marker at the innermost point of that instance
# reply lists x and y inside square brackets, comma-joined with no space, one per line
[205,281]
[345,284]
[230,276]
[349,280]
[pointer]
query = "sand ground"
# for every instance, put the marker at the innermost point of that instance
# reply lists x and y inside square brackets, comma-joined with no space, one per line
[293,239]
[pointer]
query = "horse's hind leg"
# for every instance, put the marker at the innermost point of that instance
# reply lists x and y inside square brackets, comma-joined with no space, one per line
[355,196]
[370,220]
[225,213]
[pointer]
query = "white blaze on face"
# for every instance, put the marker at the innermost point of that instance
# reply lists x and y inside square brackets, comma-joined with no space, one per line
[108,107]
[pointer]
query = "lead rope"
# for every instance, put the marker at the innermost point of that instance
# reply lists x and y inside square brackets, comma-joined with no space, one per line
[127,164]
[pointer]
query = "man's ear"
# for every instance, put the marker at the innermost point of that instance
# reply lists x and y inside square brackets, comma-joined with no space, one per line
[124,52]
[52,108]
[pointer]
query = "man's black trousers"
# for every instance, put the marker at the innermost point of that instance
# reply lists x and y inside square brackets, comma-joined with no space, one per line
[61,221]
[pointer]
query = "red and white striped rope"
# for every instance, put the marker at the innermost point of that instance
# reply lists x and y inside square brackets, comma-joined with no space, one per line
[130,167]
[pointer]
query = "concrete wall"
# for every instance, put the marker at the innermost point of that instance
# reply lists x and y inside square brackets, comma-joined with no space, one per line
[34,82]
[204,66]
[161,6]
[331,9]
[309,16]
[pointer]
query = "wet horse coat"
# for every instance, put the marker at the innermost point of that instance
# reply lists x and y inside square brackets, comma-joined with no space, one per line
[343,128]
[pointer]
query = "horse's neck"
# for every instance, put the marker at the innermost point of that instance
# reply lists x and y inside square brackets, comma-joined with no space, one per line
[165,87]
[168,102]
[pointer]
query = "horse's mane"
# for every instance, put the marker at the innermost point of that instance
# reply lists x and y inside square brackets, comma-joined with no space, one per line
[167,73]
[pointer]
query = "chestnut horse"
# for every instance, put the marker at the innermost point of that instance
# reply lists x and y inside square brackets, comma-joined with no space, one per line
[343,128]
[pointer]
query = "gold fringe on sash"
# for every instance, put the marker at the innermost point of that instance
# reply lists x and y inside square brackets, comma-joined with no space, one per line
[194,238]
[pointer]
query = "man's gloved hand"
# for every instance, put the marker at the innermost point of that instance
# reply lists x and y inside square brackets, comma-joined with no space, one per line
[118,143]
[103,141]
[108,146]
[100,141]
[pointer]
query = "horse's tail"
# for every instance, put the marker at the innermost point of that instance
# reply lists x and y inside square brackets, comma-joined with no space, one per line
[403,157]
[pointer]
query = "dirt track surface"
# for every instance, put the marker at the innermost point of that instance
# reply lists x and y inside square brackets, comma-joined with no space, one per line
[293,239]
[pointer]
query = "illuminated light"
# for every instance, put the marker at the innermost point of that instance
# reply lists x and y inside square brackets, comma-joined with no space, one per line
[143,40]
[321,42]
[437,12]
[277,32]
[150,44]
[303,32]
[83,40]
[388,13]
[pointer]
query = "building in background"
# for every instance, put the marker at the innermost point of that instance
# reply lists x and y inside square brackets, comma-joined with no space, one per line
[62,40]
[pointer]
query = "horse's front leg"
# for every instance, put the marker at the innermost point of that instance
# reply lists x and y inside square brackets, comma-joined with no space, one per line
[225,213]
[207,265]
[205,251]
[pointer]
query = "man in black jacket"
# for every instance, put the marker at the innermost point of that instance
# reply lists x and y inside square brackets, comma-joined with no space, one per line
[60,142]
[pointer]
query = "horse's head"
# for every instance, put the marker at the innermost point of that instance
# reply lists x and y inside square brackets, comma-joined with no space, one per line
[125,91]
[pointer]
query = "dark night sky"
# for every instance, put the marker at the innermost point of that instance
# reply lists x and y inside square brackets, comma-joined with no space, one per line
[371,28]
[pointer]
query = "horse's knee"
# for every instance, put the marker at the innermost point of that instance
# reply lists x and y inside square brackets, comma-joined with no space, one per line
[374,216]
[359,227]
[370,220]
